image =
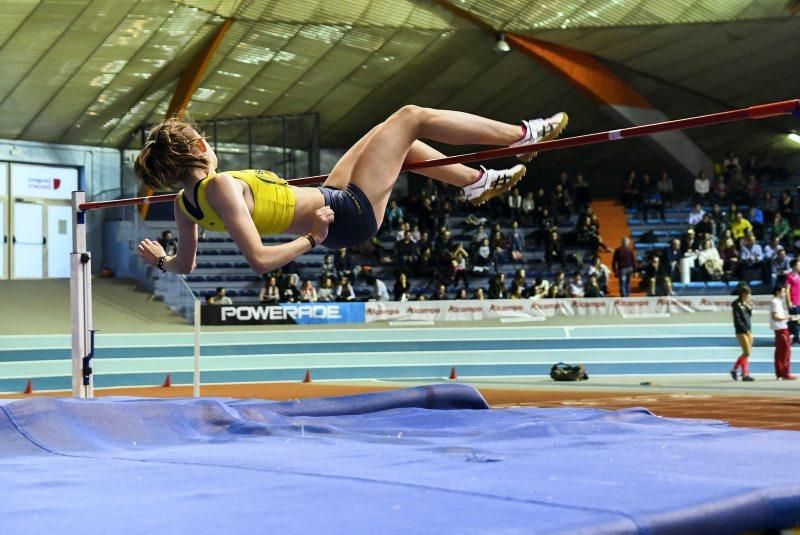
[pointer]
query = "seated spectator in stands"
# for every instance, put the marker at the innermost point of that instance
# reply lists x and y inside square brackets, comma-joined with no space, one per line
[500,247]
[406,253]
[752,164]
[483,259]
[689,242]
[516,291]
[756,218]
[479,294]
[547,223]
[753,187]
[270,294]
[666,188]
[702,187]
[440,294]
[516,241]
[416,234]
[458,267]
[379,292]
[630,191]
[769,205]
[730,257]
[719,190]
[328,268]
[325,293]
[731,163]
[290,293]
[554,250]
[308,294]
[425,266]
[709,261]
[576,288]
[655,276]
[624,264]
[780,229]
[720,219]
[771,249]
[561,203]
[540,202]
[343,263]
[427,216]
[786,205]
[706,226]
[497,287]
[592,288]
[582,196]
[528,207]
[424,241]
[521,281]
[740,226]
[587,235]
[344,290]
[395,215]
[652,202]
[403,231]
[672,258]
[220,297]
[780,266]
[751,258]
[514,204]
[402,288]
[169,243]
[559,287]
[696,215]
[462,294]
[540,288]
[600,271]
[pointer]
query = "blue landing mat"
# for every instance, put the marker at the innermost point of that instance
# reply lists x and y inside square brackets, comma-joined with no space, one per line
[421,460]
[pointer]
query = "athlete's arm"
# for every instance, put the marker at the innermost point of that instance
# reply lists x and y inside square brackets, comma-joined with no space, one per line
[184,260]
[225,196]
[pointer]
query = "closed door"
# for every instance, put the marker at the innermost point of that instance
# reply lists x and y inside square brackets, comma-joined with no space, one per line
[3,239]
[59,240]
[28,240]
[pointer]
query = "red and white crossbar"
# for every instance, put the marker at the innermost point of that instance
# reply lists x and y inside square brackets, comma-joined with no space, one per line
[762,111]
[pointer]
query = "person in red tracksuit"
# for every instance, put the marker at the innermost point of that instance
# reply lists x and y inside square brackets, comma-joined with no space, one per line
[778,322]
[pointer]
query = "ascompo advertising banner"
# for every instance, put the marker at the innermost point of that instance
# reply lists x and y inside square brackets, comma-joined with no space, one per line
[286,314]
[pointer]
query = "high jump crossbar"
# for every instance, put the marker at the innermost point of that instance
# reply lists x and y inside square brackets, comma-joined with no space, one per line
[81,260]
[762,111]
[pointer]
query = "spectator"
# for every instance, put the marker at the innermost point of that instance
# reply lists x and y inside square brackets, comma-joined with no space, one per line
[582,196]
[500,247]
[630,191]
[169,243]
[220,297]
[516,241]
[624,265]
[769,205]
[402,288]
[666,188]
[406,253]
[731,163]
[576,288]
[559,287]
[554,250]
[458,267]
[308,294]
[793,297]
[656,276]
[672,258]
[593,288]
[786,205]
[706,226]
[427,216]
[719,190]
[710,262]
[497,287]
[343,263]
[702,186]
[462,294]
[379,291]
[425,266]
[771,249]
[479,294]
[730,258]
[270,294]
[780,229]
[514,204]
[652,202]
[780,266]
[696,215]
[541,287]
[751,258]
[483,258]
[289,291]
[516,291]
[395,215]
[561,203]
[326,290]
[600,272]
[739,226]
[528,208]
[328,268]
[689,242]
[587,235]
[344,290]
[440,294]
[720,221]
[521,281]
[756,218]
[778,322]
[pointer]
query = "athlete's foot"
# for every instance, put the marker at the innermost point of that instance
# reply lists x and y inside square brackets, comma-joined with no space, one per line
[537,130]
[734,376]
[492,183]
[747,378]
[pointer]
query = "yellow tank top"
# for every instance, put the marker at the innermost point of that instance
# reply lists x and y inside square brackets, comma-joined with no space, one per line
[273,202]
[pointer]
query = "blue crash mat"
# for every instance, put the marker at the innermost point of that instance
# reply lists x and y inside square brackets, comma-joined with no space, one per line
[421,460]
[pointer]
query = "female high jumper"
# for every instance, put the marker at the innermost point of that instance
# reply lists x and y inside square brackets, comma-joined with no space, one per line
[346,211]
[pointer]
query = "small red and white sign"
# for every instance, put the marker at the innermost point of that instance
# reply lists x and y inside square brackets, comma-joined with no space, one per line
[43,182]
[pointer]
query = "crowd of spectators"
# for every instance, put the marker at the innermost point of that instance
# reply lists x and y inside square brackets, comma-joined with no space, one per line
[545,244]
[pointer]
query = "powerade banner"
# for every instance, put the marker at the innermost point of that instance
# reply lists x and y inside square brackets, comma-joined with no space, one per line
[285,314]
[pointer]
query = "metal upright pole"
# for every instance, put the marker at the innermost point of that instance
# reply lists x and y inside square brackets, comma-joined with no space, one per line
[81,303]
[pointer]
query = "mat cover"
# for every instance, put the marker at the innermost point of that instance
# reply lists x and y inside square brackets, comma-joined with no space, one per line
[421,460]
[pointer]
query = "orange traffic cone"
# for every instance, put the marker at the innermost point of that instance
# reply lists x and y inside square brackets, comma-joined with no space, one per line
[167,382]
[453,373]
[307,378]
[28,388]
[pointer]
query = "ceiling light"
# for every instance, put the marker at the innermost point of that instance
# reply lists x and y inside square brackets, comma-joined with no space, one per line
[795,138]
[501,46]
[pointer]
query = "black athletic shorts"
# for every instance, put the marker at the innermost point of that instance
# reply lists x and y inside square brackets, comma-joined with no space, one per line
[353,222]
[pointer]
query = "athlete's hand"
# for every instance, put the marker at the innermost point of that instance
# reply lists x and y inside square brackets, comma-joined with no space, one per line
[151,251]
[319,227]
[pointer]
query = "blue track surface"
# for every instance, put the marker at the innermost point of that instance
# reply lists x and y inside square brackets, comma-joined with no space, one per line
[395,462]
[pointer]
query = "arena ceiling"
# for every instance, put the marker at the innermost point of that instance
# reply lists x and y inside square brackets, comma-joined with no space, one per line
[91,71]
